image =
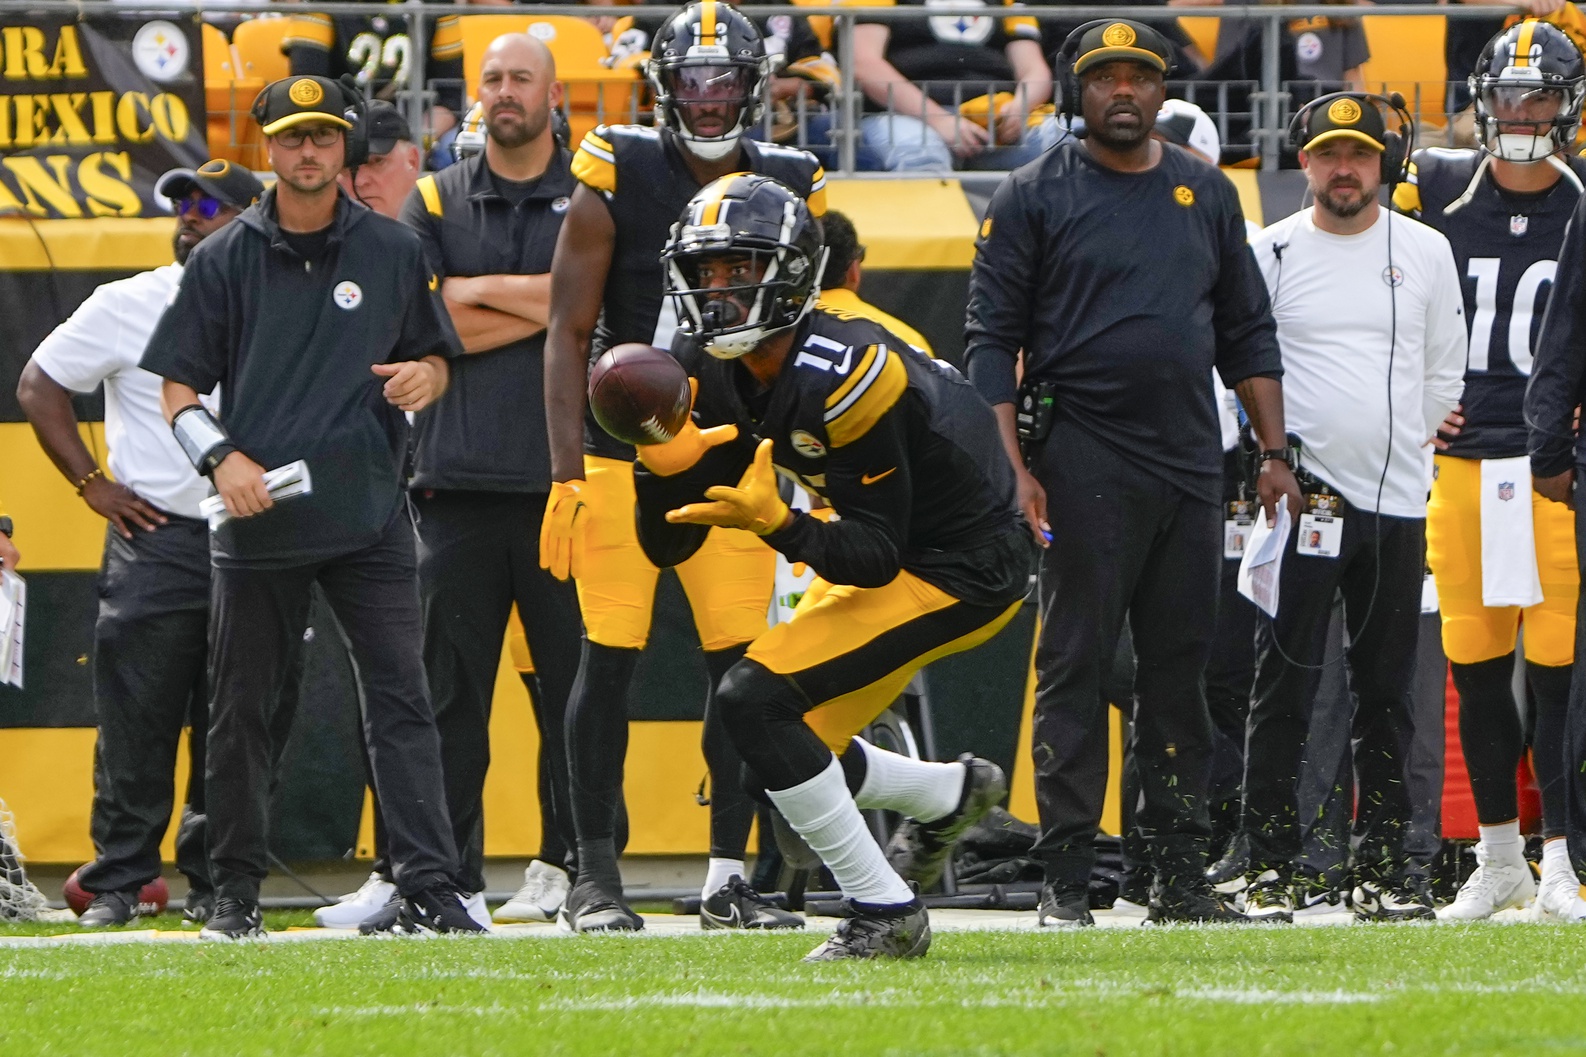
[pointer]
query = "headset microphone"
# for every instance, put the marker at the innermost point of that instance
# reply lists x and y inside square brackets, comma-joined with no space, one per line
[1277,250]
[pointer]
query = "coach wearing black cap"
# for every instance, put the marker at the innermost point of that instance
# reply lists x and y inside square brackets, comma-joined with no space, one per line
[386,178]
[300,311]
[1118,264]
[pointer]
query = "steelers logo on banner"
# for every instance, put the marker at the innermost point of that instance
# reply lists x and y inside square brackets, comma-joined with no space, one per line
[305,92]
[1117,35]
[347,295]
[1344,112]
[1183,196]
[160,51]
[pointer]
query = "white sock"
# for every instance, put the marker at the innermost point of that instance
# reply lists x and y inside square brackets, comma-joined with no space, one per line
[824,814]
[919,789]
[719,873]
[1503,841]
[1555,858]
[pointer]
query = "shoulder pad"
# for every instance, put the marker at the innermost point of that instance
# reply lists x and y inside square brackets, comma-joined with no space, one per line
[312,30]
[876,382]
[595,162]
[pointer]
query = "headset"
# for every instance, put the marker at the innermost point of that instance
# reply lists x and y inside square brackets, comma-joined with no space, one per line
[1397,147]
[355,109]
[1068,56]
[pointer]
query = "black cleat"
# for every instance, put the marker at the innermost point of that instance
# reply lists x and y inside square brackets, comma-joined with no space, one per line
[234,919]
[387,920]
[1064,906]
[199,906]
[919,851]
[1270,897]
[438,909]
[737,906]
[1230,874]
[591,907]
[1197,903]
[878,932]
[1403,901]
[109,909]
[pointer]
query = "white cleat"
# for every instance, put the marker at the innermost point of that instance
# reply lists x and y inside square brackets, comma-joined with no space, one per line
[1559,899]
[1496,885]
[544,891]
[352,909]
[475,905]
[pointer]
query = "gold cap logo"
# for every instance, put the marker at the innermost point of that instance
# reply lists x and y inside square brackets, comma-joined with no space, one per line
[1117,35]
[305,92]
[1344,112]
[1183,195]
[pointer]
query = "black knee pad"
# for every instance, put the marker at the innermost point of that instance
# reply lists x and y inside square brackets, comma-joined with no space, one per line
[764,714]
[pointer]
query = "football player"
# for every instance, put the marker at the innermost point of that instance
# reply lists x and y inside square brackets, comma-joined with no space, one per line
[928,554]
[1501,555]
[707,66]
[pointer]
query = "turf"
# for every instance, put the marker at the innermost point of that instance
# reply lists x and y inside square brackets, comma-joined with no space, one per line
[1482,989]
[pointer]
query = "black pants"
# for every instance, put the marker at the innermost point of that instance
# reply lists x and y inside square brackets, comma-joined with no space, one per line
[1124,542]
[1379,573]
[478,554]
[1575,722]
[1229,676]
[258,617]
[151,642]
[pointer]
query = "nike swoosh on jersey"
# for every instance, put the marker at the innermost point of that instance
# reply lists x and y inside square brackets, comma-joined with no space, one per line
[873,478]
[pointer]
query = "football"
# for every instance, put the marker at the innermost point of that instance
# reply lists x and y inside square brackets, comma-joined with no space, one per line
[639,394]
[152,898]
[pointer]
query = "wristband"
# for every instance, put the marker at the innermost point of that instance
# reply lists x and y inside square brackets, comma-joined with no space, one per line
[1283,455]
[203,439]
[87,477]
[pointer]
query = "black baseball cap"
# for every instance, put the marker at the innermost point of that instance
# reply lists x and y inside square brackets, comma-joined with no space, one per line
[387,126]
[297,101]
[1346,117]
[217,178]
[1122,39]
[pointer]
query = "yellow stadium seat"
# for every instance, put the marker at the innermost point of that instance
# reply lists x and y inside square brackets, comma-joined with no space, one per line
[1407,57]
[258,44]
[228,112]
[1202,33]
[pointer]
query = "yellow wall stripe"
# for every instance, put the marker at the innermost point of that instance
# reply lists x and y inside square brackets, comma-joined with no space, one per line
[888,215]
[55,530]
[110,243]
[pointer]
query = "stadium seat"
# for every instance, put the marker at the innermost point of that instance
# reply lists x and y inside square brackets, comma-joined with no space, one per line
[258,44]
[220,72]
[1407,57]
[1202,33]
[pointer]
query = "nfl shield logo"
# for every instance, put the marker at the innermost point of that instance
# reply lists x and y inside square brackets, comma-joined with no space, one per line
[1518,224]
[1506,490]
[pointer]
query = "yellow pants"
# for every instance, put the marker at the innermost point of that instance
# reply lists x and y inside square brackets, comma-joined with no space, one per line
[1473,632]
[853,650]
[728,581]
[518,644]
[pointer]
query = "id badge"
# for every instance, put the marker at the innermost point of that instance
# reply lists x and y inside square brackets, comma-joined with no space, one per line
[1240,520]
[1321,529]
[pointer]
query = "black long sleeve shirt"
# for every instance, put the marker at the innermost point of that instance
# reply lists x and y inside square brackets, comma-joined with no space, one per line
[1125,290]
[1554,391]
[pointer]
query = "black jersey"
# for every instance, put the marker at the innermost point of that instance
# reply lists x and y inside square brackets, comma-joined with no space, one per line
[646,183]
[377,50]
[899,444]
[953,58]
[1506,248]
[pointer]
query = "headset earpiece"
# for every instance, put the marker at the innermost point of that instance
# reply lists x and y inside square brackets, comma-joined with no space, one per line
[355,110]
[1068,56]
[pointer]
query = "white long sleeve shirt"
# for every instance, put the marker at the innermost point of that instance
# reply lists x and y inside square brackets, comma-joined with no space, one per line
[1340,307]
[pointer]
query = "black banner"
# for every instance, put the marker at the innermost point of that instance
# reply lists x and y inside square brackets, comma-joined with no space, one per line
[93,111]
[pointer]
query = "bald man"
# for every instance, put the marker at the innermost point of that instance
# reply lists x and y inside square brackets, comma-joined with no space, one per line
[481,471]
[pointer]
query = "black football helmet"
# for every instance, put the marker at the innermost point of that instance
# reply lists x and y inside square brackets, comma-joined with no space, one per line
[707,68]
[764,225]
[1530,78]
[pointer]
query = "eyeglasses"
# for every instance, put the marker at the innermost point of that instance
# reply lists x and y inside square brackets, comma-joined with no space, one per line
[202,204]
[322,135]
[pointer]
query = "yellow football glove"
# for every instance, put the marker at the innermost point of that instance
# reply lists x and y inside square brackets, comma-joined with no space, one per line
[754,505]
[688,447]
[562,530]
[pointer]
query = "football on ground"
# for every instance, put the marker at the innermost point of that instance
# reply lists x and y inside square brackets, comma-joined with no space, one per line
[639,394]
[152,899]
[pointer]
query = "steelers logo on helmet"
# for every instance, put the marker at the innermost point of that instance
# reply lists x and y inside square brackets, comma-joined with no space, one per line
[1344,112]
[305,92]
[1117,35]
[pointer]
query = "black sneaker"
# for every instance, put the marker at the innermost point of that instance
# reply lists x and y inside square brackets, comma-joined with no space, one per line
[109,909]
[919,851]
[438,909]
[1064,906]
[593,907]
[387,920]
[1193,903]
[234,919]
[878,932]
[199,906]
[1315,898]
[1270,897]
[1230,874]
[1400,901]
[737,906]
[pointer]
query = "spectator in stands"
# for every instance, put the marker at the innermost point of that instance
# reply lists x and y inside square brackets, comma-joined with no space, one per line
[1188,126]
[1325,51]
[955,89]
[840,281]
[384,181]
[151,637]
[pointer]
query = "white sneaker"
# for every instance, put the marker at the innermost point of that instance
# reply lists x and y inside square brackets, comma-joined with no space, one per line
[476,908]
[1496,885]
[1558,898]
[352,909]
[544,891]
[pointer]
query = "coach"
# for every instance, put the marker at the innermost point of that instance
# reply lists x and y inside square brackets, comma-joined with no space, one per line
[297,311]
[1119,265]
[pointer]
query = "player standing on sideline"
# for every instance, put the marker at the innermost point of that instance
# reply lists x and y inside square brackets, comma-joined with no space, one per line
[151,636]
[1119,265]
[707,66]
[1502,554]
[930,556]
[298,311]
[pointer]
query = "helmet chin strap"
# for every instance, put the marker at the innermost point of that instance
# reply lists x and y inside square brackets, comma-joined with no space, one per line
[709,149]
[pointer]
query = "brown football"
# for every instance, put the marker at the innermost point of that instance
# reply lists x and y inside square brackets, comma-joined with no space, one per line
[639,394]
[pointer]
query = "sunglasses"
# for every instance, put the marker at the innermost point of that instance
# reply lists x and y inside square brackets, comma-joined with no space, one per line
[202,204]
[322,135]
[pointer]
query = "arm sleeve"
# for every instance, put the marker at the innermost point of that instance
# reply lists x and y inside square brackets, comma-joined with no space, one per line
[664,543]
[1554,390]
[190,343]
[1447,341]
[416,216]
[1001,286]
[1247,335]
[426,327]
[864,547]
[86,349]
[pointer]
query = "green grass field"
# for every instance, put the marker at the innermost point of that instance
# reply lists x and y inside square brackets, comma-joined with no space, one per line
[1482,989]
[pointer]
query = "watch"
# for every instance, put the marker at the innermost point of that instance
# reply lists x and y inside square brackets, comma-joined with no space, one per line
[1283,455]
[6,527]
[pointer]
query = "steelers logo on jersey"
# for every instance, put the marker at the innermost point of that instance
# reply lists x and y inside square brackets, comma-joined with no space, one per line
[347,295]
[960,29]
[807,445]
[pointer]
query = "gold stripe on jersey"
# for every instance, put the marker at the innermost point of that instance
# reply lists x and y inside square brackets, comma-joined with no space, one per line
[866,362]
[595,164]
[878,389]
[315,31]
[447,41]
[1407,196]
[816,199]
[1522,47]
[431,195]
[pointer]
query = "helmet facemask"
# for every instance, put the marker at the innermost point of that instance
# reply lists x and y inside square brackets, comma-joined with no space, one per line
[1527,89]
[708,101]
